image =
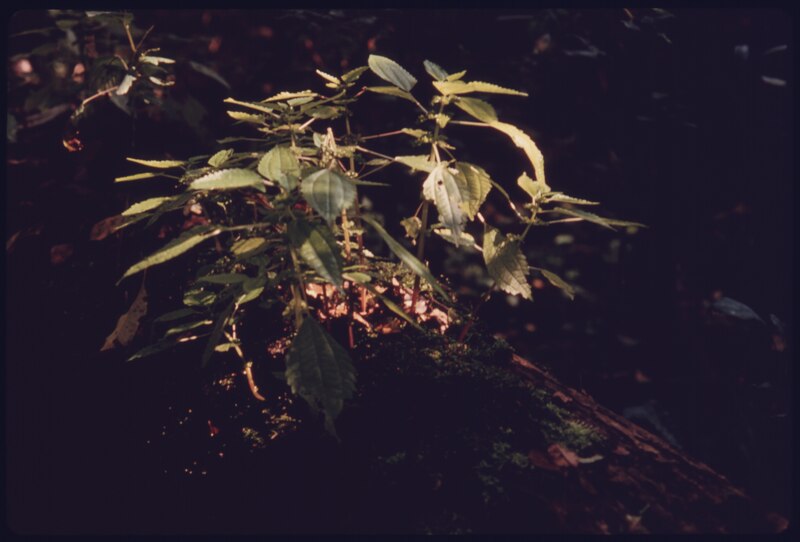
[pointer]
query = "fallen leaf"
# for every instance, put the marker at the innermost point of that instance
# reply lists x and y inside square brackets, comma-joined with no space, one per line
[128,323]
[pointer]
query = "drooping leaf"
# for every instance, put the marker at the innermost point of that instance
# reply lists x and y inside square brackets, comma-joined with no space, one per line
[208,72]
[220,158]
[393,91]
[478,185]
[418,162]
[328,192]
[280,165]
[318,248]
[174,248]
[319,370]
[125,85]
[246,117]
[460,87]
[599,220]
[229,179]
[144,206]
[506,263]
[524,142]
[249,247]
[128,323]
[263,107]
[389,70]
[442,188]
[137,177]
[535,189]
[160,164]
[481,110]
[407,258]
[434,70]
[558,282]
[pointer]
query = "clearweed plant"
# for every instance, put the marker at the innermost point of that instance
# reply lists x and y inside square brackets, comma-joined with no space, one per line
[277,225]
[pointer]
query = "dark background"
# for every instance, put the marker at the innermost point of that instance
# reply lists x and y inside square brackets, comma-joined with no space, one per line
[658,117]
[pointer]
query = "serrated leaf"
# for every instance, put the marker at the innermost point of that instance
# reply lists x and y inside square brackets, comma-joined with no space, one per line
[246,117]
[328,77]
[137,177]
[328,192]
[144,206]
[252,288]
[393,91]
[160,164]
[478,185]
[229,179]
[407,258]
[320,371]
[220,158]
[174,248]
[389,70]
[318,248]
[463,239]
[286,96]
[524,142]
[442,188]
[460,87]
[208,72]
[434,70]
[412,226]
[186,327]
[558,282]
[414,132]
[456,76]
[264,108]
[506,263]
[282,166]
[418,162]
[354,74]
[249,247]
[481,110]
[563,198]
[534,188]
[599,220]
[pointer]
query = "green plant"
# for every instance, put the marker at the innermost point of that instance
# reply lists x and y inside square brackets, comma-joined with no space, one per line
[288,225]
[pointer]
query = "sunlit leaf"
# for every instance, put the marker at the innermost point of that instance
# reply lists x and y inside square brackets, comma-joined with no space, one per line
[481,110]
[524,142]
[144,206]
[249,247]
[354,74]
[216,333]
[442,188]
[434,70]
[418,162]
[393,91]
[229,179]
[558,282]
[477,187]
[160,164]
[208,72]
[460,87]
[389,70]
[174,248]
[218,159]
[280,165]
[506,263]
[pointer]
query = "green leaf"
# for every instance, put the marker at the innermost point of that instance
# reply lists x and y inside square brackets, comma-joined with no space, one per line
[328,77]
[599,220]
[456,76]
[137,177]
[318,248]
[558,282]
[216,333]
[483,111]
[220,158]
[506,263]
[442,188]
[478,184]
[249,247]
[563,198]
[282,166]
[144,206]
[246,117]
[160,346]
[286,96]
[389,70]
[412,225]
[414,132]
[328,192]
[393,91]
[320,371]
[407,258]
[174,315]
[354,74]
[533,188]
[160,164]
[418,162]
[524,142]
[391,305]
[229,179]
[186,327]
[464,238]
[174,248]
[224,278]
[434,70]
[264,108]
[208,72]
[252,288]
[460,87]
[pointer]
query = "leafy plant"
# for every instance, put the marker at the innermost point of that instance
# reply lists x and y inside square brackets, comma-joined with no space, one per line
[286,217]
